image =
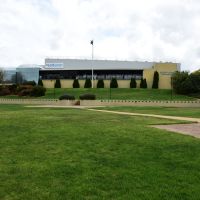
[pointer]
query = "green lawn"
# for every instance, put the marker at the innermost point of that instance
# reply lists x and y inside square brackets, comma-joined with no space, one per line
[134,94]
[79,154]
[183,112]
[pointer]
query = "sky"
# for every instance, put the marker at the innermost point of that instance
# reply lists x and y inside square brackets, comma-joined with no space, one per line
[142,30]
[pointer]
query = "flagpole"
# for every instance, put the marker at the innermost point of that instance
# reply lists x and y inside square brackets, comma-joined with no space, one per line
[92,43]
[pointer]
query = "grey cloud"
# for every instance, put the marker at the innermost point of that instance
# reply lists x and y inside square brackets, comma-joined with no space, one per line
[146,30]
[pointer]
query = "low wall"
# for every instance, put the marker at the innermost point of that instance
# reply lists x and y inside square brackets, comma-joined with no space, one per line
[37,102]
[185,104]
[191,104]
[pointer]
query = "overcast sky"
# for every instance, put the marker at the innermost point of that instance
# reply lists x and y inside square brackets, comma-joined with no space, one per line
[143,30]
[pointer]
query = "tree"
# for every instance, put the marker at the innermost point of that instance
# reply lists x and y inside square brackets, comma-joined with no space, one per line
[40,83]
[155,80]
[185,83]
[100,83]
[76,83]
[2,75]
[113,83]
[177,81]
[88,83]
[195,79]
[145,83]
[141,83]
[133,83]
[197,72]
[57,83]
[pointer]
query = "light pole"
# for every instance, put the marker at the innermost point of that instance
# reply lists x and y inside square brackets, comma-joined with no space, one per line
[54,93]
[92,43]
[171,86]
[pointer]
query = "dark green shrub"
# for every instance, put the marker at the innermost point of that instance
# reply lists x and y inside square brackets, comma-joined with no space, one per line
[38,91]
[76,83]
[23,87]
[133,83]
[87,97]
[100,83]
[13,88]
[88,83]
[66,97]
[4,91]
[57,83]
[40,82]
[185,83]
[155,80]
[33,83]
[145,83]
[141,83]
[178,78]
[113,83]
[25,92]
[195,79]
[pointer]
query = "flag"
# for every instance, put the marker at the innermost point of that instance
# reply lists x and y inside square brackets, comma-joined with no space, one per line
[91,42]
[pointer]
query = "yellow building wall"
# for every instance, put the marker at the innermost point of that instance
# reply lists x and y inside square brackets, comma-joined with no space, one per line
[48,83]
[148,74]
[165,71]
[69,83]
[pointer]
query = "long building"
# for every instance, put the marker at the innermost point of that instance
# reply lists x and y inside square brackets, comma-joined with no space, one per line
[69,69]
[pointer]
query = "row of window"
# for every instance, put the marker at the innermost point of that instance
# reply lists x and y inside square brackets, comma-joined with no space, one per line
[97,74]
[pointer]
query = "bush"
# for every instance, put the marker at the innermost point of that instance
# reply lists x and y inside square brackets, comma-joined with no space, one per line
[133,83]
[88,83]
[66,97]
[76,83]
[100,83]
[40,82]
[141,83]
[25,92]
[4,91]
[195,79]
[178,79]
[113,83]
[145,83]
[38,91]
[33,83]
[87,97]
[155,80]
[57,83]
[23,87]
[13,88]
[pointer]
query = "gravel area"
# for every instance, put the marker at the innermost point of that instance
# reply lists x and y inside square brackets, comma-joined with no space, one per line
[186,129]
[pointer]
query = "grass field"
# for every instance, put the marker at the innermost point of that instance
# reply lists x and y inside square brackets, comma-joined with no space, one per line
[183,112]
[134,94]
[79,154]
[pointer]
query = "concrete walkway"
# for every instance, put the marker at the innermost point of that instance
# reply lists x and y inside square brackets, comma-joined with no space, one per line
[189,119]
[186,129]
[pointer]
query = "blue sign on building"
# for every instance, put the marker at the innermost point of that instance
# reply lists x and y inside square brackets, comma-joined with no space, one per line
[54,65]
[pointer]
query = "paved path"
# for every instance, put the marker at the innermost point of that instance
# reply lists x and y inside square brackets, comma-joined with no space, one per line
[186,129]
[190,119]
